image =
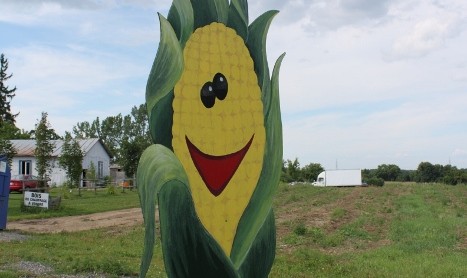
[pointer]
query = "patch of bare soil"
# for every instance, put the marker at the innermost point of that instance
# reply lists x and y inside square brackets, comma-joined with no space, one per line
[119,218]
[351,203]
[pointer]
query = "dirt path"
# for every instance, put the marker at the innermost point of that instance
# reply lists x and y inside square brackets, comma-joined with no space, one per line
[121,218]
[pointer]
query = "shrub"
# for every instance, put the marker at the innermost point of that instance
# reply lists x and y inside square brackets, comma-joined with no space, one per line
[111,189]
[375,181]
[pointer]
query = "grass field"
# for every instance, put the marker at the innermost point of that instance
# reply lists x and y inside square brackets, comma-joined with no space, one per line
[76,203]
[398,230]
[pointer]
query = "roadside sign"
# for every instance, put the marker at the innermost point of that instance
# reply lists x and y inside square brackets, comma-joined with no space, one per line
[34,199]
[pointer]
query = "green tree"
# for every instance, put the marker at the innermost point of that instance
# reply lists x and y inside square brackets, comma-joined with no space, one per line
[44,147]
[311,171]
[9,131]
[375,181]
[7,148]
[291,171]
[427,172]
[406,175]
[125,136]
[112,132]
[71,159]
[136,139]
[388,172]
[85,130]
[6,94]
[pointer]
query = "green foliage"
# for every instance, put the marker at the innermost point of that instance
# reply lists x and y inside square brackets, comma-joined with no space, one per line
[311,171]
[453,176]
[71,159]
[125,136]
[44,147]
[111,189]
[7,148]
[291,171]
[10,131]
[427,172]
[6,94]
[375,181]
[135,140]
[388,172]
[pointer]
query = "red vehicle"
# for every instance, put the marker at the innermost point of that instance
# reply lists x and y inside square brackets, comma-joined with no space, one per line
[16,182]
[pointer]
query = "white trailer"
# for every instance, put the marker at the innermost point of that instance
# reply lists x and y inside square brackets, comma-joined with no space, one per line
[339,178]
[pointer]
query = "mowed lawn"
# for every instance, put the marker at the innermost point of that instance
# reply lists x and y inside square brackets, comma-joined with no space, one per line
[398,230]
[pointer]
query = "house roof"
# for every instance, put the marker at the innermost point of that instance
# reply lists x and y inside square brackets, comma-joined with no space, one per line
[27,147]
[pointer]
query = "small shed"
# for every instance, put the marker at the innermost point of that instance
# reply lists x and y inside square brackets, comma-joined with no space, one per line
[94,150]
[117,173]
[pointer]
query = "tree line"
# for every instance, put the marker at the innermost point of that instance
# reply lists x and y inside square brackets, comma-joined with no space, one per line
[425,172]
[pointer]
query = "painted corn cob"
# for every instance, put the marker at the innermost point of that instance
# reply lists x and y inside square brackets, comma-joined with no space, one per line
[217,155]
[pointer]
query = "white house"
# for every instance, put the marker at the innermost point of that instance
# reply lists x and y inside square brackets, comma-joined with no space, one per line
[94,150]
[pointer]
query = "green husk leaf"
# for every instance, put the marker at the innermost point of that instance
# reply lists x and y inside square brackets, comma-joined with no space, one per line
[272,101]
[165,72]
[238,17]
[189,250]
[208,11]
[264,247]
[162,118]
[181,17]
[157,166]
[257,33]
[261,200]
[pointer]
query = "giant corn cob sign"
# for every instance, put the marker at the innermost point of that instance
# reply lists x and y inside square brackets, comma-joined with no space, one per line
[217,155]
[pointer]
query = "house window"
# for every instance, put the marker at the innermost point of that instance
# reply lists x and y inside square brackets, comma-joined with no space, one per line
[25,167]
[100,169]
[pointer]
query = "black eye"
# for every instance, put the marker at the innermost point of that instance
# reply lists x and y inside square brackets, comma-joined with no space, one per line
[220,86]
[208,97]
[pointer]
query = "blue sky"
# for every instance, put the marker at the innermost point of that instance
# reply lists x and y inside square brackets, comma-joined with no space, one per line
[363,83]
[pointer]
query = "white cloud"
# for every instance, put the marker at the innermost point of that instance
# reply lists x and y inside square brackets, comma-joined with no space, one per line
[68,81]
[320,16]
[426,36]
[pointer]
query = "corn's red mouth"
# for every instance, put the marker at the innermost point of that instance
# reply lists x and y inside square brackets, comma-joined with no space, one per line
[216,171]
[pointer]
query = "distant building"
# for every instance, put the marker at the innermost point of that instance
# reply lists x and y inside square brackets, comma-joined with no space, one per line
[117,174]
[94,150]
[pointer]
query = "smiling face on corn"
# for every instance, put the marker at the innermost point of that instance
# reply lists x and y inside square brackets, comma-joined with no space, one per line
[218,128]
